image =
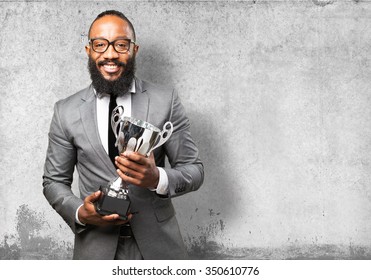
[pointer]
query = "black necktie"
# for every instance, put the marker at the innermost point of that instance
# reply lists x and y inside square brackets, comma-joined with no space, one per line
[112,150]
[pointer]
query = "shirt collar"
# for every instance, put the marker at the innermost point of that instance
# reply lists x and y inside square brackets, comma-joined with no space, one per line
[133,88]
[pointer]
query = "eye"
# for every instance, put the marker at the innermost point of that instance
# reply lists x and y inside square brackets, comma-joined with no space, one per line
[98,45]
[122,44]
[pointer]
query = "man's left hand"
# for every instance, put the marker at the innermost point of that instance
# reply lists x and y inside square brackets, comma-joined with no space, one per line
[138,169]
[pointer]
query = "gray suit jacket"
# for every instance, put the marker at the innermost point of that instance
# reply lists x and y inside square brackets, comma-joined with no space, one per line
[74,141]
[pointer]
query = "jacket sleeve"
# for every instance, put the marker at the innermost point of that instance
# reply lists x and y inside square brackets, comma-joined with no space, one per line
[58,172]
[187,172]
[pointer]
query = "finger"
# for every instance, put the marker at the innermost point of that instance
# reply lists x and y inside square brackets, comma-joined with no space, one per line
[122,221]
[116,219]
[131,172]
[129,177]
[133,160]
[110,218]
[136,157]
[128,219]
[128,166]
[151,156]
[93,197]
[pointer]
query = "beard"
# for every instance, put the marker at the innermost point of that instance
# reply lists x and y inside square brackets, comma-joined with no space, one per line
[118,87]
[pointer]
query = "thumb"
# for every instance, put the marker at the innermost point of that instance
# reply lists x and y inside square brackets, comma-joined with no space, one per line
[151,155]
[93,197]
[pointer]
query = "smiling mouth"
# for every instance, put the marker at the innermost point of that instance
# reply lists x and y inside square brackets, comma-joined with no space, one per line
[111,68]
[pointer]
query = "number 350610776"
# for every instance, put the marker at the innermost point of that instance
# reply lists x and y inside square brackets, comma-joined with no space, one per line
[238,270]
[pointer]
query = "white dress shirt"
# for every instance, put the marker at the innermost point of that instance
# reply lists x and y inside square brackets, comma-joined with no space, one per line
[102,121]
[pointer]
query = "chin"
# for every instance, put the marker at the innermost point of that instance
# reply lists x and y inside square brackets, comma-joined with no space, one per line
[111,78]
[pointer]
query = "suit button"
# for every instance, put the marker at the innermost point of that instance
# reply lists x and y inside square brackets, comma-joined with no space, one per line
[180,189]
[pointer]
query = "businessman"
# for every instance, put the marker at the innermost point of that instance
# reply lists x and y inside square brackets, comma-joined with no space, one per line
[80,136]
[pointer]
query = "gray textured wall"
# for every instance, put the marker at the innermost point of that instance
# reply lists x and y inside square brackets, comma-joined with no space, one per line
[278,93]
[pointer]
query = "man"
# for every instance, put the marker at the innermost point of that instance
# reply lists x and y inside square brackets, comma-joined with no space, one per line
[79,136]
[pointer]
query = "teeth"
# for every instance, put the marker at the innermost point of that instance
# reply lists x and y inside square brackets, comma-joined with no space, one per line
[110,66]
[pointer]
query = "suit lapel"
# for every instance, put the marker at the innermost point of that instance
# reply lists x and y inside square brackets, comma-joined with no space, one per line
[140,101]
[88,113]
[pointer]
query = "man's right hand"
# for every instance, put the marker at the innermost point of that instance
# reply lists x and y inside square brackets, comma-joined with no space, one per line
[88,215]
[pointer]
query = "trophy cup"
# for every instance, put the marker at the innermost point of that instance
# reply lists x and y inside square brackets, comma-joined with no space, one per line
[131,135]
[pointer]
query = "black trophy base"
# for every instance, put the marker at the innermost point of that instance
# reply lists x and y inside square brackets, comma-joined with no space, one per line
[107,205]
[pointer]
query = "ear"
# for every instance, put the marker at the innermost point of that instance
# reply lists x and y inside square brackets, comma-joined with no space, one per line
[135,49]
[87,49]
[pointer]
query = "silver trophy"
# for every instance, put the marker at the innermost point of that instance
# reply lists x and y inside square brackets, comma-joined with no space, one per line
[131,135]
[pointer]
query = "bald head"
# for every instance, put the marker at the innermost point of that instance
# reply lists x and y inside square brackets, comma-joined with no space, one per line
[115,14]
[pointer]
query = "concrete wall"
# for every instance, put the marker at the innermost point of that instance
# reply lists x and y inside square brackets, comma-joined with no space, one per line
[278,93]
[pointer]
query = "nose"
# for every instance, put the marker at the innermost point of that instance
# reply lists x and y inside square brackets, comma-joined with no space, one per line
[110,53]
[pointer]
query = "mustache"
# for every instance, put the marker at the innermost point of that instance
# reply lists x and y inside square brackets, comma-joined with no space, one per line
[110,61]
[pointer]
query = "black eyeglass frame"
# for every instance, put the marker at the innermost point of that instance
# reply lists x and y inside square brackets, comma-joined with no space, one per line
[91,41]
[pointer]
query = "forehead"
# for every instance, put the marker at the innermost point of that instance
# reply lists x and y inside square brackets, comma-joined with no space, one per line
[111,27]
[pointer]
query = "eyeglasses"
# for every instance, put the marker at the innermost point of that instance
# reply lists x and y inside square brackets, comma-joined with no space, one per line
[119,45]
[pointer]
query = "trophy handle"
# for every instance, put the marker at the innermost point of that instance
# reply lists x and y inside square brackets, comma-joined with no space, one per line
[165,131]
[116,118]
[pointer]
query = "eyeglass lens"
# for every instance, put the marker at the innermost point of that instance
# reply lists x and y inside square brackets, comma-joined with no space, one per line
[101,45]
